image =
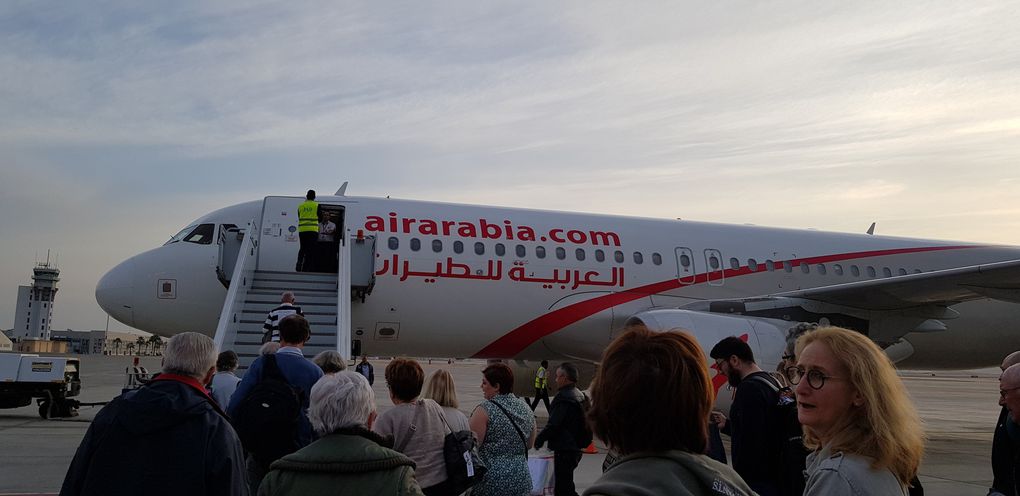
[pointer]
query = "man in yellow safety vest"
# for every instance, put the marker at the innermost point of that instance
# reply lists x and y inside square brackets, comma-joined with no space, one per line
[541,381]
[308,233]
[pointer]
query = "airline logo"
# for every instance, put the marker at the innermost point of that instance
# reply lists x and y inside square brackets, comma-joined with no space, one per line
[494,271]
[486,229]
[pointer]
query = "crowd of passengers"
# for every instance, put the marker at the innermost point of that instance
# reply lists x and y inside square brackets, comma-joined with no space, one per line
[835,419]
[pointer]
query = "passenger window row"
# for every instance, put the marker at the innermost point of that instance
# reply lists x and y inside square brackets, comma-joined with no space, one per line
[521,251]
[820,269]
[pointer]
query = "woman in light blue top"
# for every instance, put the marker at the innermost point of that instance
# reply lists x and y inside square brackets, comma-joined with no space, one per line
[505,427]
[857,417]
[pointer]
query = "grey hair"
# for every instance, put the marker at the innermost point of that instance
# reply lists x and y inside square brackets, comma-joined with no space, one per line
[796,332]
[340,400]
[1010,376]
[1010,360]
[570,370]
[287,296]
[190,354]
[269,348]
[330,361]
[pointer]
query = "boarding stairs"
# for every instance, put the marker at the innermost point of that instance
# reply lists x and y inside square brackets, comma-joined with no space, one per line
[261,272]
[315,293]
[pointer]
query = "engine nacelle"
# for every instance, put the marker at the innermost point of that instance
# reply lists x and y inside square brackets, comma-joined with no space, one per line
[767,337]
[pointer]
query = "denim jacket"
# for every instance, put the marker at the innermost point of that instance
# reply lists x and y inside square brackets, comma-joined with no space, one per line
[848,474]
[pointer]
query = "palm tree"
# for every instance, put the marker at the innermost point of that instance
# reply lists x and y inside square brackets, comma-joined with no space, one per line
[130,348]
[141,345]
[155,342]
[117,342]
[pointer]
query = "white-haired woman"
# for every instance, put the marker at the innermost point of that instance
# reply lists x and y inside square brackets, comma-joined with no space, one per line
[330,361]
[348,458]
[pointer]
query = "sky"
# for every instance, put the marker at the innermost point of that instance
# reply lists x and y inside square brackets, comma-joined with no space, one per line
[123,121]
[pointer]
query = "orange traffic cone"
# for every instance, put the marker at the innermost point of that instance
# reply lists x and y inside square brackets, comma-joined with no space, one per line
[591,449]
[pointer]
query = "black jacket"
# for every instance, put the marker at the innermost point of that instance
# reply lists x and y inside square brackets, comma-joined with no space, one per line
[566,417]
[752,444]
[1003,456]
[166,438]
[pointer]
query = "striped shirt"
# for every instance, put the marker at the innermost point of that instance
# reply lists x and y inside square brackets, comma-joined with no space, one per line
[272,325]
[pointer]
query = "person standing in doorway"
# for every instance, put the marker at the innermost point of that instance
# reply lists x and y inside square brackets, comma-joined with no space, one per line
[326,248]
[308,232]
[541,386]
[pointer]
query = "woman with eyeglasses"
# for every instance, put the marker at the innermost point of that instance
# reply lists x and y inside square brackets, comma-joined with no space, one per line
[857,417]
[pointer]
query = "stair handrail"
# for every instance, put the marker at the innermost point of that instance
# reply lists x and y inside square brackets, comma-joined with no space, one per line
[343,299]
[241,279]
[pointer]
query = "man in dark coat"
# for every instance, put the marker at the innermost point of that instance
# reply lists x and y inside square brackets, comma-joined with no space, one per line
[566,424]
[1004,450]
[754,448]
[168,437]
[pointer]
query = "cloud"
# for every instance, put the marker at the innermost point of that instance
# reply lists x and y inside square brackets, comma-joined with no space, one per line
[800,114]
[871,191]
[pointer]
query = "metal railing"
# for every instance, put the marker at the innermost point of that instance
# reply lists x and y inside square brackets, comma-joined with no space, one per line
[240,281]
[343,299]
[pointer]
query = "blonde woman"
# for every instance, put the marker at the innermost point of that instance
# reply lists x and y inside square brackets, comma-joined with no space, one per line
[857,417]
[439,387]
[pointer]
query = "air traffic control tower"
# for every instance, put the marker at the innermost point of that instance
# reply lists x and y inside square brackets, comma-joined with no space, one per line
[35,304]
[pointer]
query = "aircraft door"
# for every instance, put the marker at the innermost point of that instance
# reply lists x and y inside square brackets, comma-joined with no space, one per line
[685,265]
[715,271]
[229,241]
[279,242]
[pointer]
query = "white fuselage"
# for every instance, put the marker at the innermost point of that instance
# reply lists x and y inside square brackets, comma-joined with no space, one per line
[488,282]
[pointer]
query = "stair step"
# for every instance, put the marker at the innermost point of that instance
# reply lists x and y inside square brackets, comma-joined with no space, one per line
[264,306]
[273,296]
[295,276]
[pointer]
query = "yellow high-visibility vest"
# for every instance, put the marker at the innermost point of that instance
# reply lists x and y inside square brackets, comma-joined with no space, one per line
[540,379]
[308,216]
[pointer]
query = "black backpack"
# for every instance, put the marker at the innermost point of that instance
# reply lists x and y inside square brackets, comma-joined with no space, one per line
[268,418]
[788,438]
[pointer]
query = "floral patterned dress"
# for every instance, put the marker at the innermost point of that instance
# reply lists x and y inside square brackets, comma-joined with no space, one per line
[503,450]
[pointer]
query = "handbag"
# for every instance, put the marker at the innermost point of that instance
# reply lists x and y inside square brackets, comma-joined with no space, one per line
[541,467]
[464,468]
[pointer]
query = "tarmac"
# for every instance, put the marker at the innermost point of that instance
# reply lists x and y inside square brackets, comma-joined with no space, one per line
[959,410]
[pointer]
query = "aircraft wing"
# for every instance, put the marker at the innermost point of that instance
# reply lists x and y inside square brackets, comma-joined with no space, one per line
[999,280]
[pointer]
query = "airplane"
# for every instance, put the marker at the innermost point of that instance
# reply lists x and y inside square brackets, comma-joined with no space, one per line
[422,278]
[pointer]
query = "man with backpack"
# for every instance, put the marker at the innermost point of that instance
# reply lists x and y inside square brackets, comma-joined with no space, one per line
[753,423]
[166,437]
[567,430]
[269,409]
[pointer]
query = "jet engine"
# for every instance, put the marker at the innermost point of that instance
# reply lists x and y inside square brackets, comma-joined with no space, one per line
[767,337]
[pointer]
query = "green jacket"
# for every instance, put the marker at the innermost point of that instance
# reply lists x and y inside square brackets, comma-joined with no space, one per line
[671,472]
[351,461]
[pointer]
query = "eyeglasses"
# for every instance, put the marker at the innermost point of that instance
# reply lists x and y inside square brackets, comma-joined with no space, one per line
[815,378]
[1002,392]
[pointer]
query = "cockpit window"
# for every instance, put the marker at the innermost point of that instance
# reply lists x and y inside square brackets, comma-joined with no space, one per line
[203,234]
[179,236]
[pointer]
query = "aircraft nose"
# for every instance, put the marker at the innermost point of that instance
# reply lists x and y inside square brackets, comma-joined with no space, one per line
[115,293]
